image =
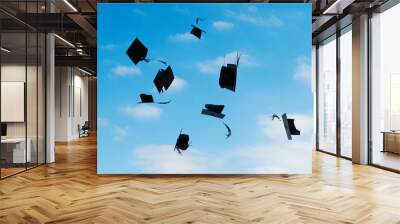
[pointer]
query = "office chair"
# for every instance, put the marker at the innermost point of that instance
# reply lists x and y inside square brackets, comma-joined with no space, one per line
[84,130]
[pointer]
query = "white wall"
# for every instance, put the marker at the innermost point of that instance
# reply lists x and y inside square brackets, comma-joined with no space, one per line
[70,84]
[17,73]
[61,103]
[33,126]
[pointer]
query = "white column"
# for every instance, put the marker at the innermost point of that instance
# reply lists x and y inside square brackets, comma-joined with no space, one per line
[50,99]
[50,92]
[360,90]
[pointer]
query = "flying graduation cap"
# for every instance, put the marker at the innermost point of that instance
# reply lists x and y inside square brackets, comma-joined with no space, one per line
[289,126]
[227,75]
[216,111]
[145,98]
[229,131]
[213,110]
[182,143]
[164,79]
[196,31]
[137,51]
[275,116]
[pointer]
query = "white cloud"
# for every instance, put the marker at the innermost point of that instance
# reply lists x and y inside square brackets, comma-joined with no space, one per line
[102,122]
[108,61]
[252,8]
[291,157]
[212,66]
[143,112]
[126,70]
[222,25]
[303,69]
[274,129]
[276,155]
[271,21]
[182,37]
[180,9]
[119,133]
[255,19]
[178,84]
[108,46]
[163,159]
[139,12]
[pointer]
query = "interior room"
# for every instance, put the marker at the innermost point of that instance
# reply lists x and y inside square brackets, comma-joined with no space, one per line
[22,103]
[101,122]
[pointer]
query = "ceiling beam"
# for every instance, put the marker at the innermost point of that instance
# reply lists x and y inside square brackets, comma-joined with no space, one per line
[76,61]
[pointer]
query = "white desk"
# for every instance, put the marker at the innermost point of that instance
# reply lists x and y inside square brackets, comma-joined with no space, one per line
[19,153]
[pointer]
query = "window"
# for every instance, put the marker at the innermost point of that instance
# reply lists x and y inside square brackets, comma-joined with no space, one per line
[385,89]
[346,92]
[327,95]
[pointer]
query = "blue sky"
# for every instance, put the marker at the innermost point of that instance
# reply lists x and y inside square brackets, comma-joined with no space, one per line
[274,76]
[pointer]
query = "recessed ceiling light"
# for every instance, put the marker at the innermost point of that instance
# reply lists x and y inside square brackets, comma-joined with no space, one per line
[84,71]
[70,5]
[337,7]
[64,40]
[5,50]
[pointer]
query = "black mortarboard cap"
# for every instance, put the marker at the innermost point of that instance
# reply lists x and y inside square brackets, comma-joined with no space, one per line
[145,98]
[164,79]
[227,77]
[196,31]
[289,126]
[137,51]
[182,143]
[213,110]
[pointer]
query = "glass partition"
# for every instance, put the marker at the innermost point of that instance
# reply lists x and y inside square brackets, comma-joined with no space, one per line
[22,90]
[31,100]
[41,91]
[13,105]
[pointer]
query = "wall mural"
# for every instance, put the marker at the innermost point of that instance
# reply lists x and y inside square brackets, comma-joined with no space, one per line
[204,88]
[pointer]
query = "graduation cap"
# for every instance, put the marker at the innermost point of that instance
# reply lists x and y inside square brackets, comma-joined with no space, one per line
[196,31]
[182,143]
[229,131]
[213,110]
[275,116]
[163,62]
[164,79]
[198,19]
[145,98]
[227,75]
[137,51]
[289,126]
